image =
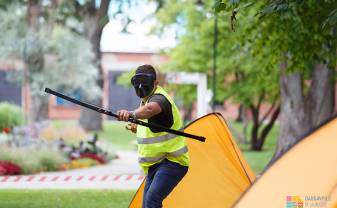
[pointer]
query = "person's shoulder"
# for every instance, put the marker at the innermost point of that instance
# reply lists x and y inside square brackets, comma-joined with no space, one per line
[157,98]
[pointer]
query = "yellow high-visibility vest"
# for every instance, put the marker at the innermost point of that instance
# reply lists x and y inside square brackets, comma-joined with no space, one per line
[155,147]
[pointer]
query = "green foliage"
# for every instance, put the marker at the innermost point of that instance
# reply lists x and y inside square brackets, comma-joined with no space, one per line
[11,115]
[76,58]
[303,33]
[55,56]
[331,20]
[268,32]
[34,159]
[243,72]
[219,6]
[124,78]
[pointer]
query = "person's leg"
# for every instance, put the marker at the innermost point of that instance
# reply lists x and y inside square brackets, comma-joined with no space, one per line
[146,188]
[167,176]
[148,181]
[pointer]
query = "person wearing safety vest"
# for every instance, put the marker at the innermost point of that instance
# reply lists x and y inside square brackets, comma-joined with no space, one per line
[162,156]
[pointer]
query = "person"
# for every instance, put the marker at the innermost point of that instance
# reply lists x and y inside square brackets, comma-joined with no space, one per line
[162,156]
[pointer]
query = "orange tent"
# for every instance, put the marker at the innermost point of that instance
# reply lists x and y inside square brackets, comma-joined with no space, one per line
[218,174]
[305,175]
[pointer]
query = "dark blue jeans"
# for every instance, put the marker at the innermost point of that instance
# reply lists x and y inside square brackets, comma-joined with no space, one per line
[160,181]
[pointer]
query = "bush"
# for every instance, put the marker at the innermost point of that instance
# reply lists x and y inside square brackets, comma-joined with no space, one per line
[71,134]
[10,115]
[34,159]
[51,159]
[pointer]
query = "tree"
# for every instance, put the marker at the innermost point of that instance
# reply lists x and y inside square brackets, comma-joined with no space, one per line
[92,15]
[243,74]
[94,19]
[302,35]
[48,63]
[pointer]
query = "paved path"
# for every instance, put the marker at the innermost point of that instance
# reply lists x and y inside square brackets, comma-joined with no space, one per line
[122,173]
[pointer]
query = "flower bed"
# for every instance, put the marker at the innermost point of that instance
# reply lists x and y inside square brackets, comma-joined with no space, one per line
[40,147]
[33,159]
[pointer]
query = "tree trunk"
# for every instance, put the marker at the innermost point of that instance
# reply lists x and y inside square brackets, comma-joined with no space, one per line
[34,63]
[255,129]
[33,14]
[39,111]
[320,99]
[94,22]
[300,113]
[245,125]
[293,118]
[240,114]
[265,131]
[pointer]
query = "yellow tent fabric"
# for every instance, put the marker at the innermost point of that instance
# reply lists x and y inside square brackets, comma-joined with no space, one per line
[305,176]
[218,174]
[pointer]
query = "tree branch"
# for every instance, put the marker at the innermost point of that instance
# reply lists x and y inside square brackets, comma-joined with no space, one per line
[269,126]
[268,112]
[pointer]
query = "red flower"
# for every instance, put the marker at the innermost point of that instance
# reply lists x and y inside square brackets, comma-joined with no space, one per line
[6,130]
[2,171]
[8,168]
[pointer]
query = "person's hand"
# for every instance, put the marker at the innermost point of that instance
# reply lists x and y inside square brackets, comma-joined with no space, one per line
[123,115]
[132,127]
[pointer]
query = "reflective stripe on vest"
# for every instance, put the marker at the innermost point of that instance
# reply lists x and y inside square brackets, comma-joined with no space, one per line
[157,139]
[158,158]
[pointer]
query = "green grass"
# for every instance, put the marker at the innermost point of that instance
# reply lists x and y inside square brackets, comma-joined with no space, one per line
[258,159]
[65,198]
[116,133]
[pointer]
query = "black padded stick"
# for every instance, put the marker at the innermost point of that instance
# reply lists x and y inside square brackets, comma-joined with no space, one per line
[132,120]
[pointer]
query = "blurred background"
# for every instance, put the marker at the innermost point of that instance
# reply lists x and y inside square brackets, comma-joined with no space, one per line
[268,67]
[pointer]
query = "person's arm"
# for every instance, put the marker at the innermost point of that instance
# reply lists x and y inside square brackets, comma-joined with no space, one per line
[144,112]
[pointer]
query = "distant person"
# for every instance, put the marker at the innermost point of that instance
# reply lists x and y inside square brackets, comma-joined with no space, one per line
[163,156]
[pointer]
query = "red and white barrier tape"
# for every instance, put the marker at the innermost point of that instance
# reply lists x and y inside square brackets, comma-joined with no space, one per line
[71,178]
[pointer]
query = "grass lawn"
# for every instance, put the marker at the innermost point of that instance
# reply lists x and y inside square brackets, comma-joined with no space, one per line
[258,160]
[116,133]
[65,198]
